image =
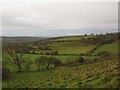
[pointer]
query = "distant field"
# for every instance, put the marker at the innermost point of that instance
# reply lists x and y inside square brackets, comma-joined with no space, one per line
[71,37]
[72,47]
[21,39]
[113,48]
[61,58]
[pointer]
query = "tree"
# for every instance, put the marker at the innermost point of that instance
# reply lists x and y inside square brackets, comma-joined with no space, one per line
[80,59]
[28,64]
[40,61]
[16,52]
[57,63]
[54,52]
[54,61]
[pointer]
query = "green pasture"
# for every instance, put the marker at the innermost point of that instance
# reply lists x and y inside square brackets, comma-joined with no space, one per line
[33,57]
[72,37]
[72,47]
[113,48]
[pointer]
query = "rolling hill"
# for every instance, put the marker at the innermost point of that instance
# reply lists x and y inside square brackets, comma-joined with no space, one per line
[93,72]
[21,39]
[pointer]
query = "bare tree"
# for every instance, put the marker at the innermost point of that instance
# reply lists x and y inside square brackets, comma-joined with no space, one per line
[16,52]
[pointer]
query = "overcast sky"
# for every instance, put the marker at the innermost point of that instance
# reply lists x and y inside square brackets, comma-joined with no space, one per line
[48,19]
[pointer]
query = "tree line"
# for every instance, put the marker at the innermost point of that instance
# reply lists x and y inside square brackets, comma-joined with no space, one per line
[102,38]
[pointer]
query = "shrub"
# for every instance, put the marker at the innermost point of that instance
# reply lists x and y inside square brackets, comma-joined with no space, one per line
[80,59]
[95,59]
[54,52]
[47,53]
[40,61]
[54,61]
[82,54]
[47,61]
[28,64]
[41,53]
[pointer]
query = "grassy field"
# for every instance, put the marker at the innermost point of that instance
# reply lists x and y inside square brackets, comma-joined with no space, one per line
[21,39]
[61,58]
[33,57]
[113,48]
[97,75]
[72,47]
[71,37]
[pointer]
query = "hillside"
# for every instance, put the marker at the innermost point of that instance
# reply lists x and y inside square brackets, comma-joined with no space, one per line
[62,62]
[21,39]
[64,38]
[72,47]
[113,48]
[102,74]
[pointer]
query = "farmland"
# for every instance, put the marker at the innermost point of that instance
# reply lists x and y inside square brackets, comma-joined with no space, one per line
[70,38]
[72,47]
[113,48]
[76,62]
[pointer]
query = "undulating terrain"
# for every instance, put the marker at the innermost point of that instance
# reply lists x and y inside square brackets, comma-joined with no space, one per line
[86,61]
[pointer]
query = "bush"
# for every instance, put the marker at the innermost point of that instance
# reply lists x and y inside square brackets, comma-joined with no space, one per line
[54,53]
[47,61]
[95,59]
[28,64]
[40,61]
[82,54]
[47,53]
[80,59]
[53,61]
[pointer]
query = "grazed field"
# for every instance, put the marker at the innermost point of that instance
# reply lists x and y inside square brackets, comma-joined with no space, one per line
[113,48]
[71,37]
[72,47]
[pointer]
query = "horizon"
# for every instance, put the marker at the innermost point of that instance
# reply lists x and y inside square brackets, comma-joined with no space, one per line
[61,35]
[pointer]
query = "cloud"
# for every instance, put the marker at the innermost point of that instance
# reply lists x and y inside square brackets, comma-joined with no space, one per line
[40,18]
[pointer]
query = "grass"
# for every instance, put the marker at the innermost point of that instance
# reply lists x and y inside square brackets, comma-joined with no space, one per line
[33,57]
[100,74]
[61,58]
[72,47]
[113,48]
[72,37]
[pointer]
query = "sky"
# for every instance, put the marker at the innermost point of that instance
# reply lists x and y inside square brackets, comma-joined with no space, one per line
[58,18]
